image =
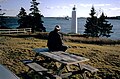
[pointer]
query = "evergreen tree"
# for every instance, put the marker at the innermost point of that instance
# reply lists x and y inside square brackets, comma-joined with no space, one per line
[105,28]
[1,13]
[91,26]
[2,21]
[22,13]
[34,7]
[23,18]
[96,27]
[36,17]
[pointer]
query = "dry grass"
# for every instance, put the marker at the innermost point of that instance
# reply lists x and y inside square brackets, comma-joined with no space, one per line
[91,40]
[104,57]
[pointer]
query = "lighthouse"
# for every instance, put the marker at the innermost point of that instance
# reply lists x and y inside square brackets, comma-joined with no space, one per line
[74,21]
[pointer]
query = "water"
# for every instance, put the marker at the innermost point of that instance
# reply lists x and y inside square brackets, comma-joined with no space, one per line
[11,22]
[115,29]
[50,23]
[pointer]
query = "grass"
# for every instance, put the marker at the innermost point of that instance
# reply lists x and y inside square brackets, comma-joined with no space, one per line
[14,48]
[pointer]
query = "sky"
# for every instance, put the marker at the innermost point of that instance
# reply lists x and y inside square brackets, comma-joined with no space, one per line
[62,8]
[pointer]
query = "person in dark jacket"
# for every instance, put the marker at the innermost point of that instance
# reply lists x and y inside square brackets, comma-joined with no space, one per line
[55,40]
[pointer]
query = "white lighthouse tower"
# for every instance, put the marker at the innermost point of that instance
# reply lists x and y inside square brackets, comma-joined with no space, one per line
[74,21]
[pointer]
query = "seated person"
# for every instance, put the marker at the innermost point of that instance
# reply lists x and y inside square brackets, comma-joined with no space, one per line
[55,40]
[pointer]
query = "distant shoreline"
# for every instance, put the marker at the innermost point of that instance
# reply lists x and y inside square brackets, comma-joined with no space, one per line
[113,17]
[49,23]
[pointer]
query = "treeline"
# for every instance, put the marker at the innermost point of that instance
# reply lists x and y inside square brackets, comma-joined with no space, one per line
[116,17]
[32,20]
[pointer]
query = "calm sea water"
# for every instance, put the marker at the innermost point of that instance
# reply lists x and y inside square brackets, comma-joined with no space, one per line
[50,23]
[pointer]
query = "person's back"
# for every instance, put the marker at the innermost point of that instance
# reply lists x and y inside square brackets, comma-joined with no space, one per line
[55,41]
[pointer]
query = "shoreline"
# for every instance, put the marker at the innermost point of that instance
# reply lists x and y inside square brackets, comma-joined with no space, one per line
[50,22]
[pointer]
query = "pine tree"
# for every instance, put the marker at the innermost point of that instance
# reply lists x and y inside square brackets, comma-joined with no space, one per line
[22,13]
[34,7]
[1,13]
[91,26]
[23,21]
[2,21]
[36,17]
[96,27]
[105,28]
